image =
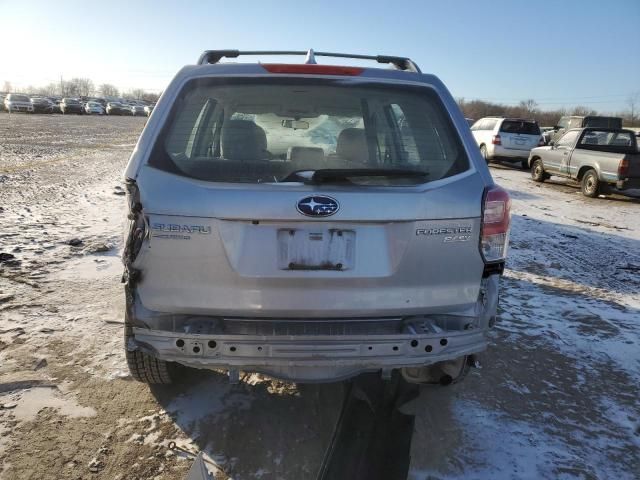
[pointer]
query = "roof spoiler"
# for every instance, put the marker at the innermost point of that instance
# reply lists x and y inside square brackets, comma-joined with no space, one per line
[400,63]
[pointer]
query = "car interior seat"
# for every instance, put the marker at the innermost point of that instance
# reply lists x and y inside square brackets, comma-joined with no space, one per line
[311,158]
[243,140]
[352,146]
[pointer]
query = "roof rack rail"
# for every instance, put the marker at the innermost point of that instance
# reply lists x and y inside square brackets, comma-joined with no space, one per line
[401,63]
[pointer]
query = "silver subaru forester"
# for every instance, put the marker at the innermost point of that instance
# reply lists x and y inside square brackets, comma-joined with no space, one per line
[310,222]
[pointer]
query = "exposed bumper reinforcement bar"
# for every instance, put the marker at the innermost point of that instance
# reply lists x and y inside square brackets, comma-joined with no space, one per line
[309,357]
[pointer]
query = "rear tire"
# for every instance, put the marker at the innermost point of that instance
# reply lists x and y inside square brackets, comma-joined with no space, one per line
[537,171]
[144,367]
[590,184]
[484,153]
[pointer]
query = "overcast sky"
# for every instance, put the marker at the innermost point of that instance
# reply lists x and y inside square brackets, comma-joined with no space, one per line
[560,53]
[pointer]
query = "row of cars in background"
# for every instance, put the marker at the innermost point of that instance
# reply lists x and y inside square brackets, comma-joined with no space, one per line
[592,150]
[14,102]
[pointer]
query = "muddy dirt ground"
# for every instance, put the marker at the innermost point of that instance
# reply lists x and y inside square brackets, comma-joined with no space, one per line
[556,397]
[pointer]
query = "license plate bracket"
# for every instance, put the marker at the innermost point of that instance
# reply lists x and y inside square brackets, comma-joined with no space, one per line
[316,249]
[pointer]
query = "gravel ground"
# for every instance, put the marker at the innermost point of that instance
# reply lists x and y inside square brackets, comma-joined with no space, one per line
[557,396]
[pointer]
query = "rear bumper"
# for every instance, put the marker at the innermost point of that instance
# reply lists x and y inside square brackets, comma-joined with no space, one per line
[628,184]
[313,358]
[500,152]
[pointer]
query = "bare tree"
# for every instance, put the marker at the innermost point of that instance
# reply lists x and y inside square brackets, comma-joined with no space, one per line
[583,111]
[141,94]
[529,107]
[80,87]
[136,93]
[632,101]
[108,90]
[49,90]
[151,97]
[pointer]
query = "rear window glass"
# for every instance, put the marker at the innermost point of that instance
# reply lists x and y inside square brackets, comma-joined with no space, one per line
[522,127]
[605,140]
[19,98]
[260,131]
[603,122]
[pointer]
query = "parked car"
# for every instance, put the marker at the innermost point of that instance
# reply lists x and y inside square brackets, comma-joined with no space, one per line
[55,105]
[576,121]
[115,108]
[136,110]
[93,108]
[41,105]
[2,97]
[508,139]
[71,105]
[547,132]
[275,227]
[602,159]
[18,103]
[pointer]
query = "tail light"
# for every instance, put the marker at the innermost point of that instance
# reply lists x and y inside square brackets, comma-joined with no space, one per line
[541,142]
[496,140]
[496,220]
[623,168]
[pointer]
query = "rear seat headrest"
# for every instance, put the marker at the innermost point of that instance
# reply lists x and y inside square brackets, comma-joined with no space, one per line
[306,157]
[243,140]
[352,145]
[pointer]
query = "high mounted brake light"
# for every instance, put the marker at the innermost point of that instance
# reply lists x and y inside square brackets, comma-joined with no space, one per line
[496,220]
[312,69]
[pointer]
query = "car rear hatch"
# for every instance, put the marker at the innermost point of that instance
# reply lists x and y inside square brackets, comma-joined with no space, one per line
[256,204]
[519,134]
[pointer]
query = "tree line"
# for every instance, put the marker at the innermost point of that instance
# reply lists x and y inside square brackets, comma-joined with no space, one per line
[529,109]
[84,87]
[475,109]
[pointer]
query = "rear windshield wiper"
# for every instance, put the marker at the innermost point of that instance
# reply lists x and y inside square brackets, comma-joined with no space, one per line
[337,175]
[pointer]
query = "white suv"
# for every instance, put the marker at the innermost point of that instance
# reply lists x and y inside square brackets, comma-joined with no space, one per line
[508,139]
[311,222]
[18,103]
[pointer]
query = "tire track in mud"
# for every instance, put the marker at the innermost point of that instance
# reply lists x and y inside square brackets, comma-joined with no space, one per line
[372,436]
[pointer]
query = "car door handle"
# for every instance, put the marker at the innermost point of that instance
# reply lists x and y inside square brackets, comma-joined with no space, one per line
[565,153]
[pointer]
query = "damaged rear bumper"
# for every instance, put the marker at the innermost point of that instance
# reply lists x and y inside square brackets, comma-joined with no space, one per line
[324,357]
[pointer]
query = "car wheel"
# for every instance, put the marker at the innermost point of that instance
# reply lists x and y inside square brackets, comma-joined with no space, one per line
[590,184]
[524,164]
[144,367]
[484,153]
[537,171]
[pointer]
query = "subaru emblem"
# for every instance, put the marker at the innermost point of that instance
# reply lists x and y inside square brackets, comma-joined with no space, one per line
[317,206]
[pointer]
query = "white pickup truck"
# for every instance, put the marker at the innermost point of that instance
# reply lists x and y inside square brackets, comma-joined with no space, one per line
[603,160]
